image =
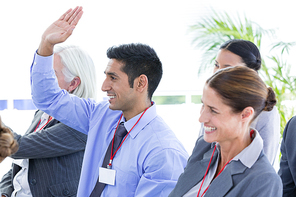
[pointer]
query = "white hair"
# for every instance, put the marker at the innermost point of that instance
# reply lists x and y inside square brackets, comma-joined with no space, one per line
[77,63]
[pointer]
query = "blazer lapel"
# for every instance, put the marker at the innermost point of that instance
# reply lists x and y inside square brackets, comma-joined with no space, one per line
[53,122]
[35,121]
[197,171]
[223,183]
[15,169]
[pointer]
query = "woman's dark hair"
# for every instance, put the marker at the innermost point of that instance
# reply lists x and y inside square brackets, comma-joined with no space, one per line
[241,87]
[247,50]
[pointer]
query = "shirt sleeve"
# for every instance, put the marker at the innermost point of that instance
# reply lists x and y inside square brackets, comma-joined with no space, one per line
[55,141]
[287,169]
[162,171]
[48,97]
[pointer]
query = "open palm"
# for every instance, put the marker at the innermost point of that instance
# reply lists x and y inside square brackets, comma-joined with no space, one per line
[61,29]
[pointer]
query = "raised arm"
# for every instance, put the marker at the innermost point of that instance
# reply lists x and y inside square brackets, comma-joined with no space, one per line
[46,93]
[59,31]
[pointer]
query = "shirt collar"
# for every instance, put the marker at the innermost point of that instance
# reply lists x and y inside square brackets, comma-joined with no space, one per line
[149,115]
[250,154]
[44,116]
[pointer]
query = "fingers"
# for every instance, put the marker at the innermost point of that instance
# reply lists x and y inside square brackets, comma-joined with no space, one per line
[8,145]
[14,147]
[1,125]
[59,31]
[76,18]
[73,16]
[6,139]
[4,151]
[70,14]
[4,129]
[65,14]
[5,146]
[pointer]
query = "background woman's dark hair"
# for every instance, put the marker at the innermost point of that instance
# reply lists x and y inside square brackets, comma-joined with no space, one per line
[247,50]
[241,87]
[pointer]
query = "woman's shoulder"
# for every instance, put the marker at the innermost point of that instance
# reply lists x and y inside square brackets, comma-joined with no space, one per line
[262,167]
[266,115]
[261,170]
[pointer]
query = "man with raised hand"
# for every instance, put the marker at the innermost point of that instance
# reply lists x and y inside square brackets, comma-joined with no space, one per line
[130,150]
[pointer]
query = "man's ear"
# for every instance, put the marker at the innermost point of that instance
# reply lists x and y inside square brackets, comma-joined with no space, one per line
[247,113]
[142,83]
[74,84]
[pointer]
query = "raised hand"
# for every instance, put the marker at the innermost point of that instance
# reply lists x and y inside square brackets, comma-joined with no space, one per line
[59,31]
[8,145]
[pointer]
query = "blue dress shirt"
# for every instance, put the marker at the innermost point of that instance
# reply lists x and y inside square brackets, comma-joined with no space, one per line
[148,163]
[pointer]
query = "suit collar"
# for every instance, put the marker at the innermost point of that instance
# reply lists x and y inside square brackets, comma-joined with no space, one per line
[223,183]
[52,122]
[36,120]
[208,154]
[197,169]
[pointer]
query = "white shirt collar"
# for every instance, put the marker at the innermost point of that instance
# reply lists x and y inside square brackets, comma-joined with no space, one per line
[250,154]
[44,116]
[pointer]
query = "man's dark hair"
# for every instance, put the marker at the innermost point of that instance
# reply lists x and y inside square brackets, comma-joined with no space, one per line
[138,59]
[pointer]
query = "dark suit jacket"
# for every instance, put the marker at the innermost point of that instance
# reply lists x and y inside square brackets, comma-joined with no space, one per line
[287,169]
[55,158]
[236,180]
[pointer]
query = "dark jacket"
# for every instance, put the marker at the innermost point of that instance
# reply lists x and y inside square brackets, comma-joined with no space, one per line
[55,158]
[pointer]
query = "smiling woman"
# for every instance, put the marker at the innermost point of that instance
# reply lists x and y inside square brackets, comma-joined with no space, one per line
[232,98]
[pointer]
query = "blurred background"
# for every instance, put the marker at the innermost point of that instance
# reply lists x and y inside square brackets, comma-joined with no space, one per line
[165,25]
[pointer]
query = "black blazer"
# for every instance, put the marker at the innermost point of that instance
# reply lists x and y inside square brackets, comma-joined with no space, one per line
[55,158]
[287,169]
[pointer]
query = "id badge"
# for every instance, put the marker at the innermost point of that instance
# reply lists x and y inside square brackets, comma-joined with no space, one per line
[107,176]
